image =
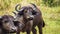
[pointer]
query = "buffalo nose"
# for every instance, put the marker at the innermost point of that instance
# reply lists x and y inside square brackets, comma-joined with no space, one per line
[30,18]
[14,29]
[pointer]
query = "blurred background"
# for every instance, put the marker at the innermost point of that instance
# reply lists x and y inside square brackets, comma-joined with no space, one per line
[50,10]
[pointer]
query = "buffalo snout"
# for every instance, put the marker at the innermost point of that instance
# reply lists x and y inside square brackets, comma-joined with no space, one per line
[31,18]
[13,29]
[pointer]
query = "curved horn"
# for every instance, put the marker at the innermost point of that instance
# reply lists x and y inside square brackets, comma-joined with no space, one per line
[33,5]
[17,7]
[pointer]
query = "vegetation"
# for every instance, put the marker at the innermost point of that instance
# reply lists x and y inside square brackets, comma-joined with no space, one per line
[50,10]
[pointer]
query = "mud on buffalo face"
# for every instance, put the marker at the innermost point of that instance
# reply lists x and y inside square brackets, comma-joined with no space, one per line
[7,23]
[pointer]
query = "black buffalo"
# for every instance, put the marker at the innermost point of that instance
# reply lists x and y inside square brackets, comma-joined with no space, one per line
[28,18]
[7,25]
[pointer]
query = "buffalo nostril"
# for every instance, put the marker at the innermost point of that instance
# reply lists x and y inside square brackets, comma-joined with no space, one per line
[30,18]
[14,29]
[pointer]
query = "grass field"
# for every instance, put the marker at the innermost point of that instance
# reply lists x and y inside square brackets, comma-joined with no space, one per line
[51,15]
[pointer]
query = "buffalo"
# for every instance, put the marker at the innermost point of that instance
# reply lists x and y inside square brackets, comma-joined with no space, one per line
[7,24]
[28,18]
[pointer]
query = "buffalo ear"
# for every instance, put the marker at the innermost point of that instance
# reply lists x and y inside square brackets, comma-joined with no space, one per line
[34,12]
[20,13]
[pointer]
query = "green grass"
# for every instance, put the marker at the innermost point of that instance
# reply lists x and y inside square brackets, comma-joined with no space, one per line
[51,15]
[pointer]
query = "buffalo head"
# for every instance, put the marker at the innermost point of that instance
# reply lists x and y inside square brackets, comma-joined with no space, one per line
[7,23]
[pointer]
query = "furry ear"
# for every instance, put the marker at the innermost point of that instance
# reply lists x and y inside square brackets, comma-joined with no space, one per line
[34,12]
[20,13]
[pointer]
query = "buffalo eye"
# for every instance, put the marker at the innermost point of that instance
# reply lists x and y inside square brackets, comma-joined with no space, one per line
[34,12]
